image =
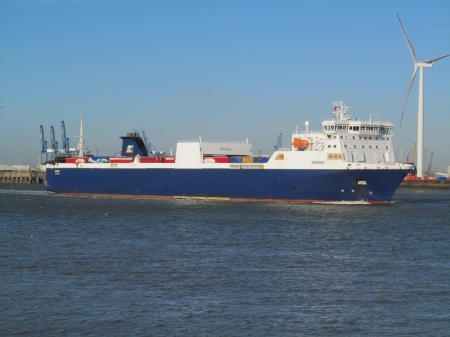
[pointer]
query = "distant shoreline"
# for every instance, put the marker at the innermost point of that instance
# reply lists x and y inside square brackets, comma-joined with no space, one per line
[425,185]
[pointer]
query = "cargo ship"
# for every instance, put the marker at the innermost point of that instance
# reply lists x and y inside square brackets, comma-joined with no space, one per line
[349,160]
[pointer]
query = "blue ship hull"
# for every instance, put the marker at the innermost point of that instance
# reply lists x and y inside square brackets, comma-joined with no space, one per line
[270,184]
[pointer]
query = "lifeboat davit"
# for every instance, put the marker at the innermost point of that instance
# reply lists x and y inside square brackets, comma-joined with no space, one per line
[300,143]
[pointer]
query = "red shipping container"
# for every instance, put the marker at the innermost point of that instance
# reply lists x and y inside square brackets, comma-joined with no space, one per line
[216,159]
[74,160]
[151,160]
[169,159]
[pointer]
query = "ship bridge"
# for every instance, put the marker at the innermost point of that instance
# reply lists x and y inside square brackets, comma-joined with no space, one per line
[347,139]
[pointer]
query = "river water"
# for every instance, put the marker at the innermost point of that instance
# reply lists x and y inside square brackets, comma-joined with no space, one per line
[73,266]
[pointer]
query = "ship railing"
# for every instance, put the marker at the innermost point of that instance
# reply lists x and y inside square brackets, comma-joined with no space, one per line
[307,133]
[361,132]
[213,141]
[387,124]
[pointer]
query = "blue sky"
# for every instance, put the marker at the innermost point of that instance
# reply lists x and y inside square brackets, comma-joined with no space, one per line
[223,70]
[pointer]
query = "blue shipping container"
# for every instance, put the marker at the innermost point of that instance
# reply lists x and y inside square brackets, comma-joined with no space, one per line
[98,159]
[260,159]
[236,159]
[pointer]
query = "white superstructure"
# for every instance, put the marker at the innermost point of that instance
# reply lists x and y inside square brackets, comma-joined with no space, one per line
[348,140]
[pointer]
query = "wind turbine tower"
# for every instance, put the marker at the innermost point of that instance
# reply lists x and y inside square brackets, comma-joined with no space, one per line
[421,66]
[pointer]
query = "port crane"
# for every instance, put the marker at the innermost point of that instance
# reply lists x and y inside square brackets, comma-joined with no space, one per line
[147,144]
[65,140]
[278,145]
[55,150]
[413,150]
[431,160]
[43,145]
[53,142]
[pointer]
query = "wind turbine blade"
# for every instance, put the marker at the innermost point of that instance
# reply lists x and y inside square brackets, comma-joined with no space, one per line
[411,49]
[407,95]
[437,58]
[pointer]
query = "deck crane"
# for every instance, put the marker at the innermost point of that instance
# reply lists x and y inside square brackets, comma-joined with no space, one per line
[43,144]
[53,142]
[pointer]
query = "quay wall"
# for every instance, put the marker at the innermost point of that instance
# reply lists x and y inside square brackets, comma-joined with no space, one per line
[425,184]
[22,177]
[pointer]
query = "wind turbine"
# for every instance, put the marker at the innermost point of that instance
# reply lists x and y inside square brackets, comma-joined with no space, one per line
[420,65]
